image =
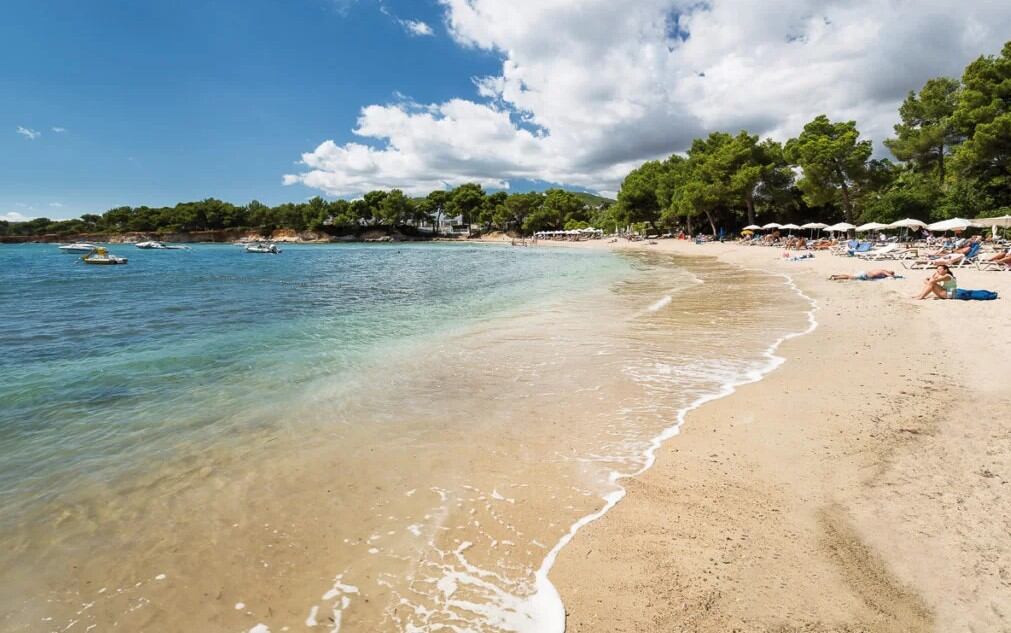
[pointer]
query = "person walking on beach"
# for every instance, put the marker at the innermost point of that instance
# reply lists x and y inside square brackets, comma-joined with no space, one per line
[879,273]
[941,284]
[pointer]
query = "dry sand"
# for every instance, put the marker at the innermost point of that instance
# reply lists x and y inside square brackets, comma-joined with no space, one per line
[863,486]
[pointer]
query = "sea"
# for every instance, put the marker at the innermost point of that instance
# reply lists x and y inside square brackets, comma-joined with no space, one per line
[357,437]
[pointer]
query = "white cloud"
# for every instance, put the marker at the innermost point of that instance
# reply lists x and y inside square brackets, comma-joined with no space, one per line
[14,216]
[55,204]
[28,133]
[413,27]
[59,130]
[590,88]
[417,27]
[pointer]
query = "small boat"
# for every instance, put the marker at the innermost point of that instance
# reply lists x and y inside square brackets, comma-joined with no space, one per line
[102,257]
[160,246]
[263,248]
[77,247]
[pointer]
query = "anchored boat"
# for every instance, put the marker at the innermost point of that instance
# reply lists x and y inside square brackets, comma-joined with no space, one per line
[161,246]
[102,257]
[263,248]
[77,247]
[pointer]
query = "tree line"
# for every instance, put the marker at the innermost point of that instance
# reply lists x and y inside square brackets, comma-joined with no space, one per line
[467,205]
[953,158]
[952,145]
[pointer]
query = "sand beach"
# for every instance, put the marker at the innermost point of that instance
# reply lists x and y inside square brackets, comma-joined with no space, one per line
[862,486]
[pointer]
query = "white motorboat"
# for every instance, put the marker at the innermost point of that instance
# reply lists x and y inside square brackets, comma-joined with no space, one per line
[77,247]
[263,248]
[160,246]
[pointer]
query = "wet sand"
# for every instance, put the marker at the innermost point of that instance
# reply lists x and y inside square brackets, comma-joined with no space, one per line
[863,486]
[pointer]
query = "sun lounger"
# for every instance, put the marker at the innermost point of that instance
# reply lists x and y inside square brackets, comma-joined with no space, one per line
[967,259]
[991,266]
[861,247]
[970,257]
[889,252]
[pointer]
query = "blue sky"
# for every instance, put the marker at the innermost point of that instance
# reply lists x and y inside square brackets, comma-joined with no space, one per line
[161,102]
[165,102]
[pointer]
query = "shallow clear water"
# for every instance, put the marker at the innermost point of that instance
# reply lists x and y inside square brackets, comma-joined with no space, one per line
[376,437]
[105,366]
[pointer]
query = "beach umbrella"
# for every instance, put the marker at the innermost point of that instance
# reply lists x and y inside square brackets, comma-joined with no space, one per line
[790,228]
[813,226]
[908,223]
[954,224]
[871,226]
[772,225]
[841,226]
[1004,220]
[752,227]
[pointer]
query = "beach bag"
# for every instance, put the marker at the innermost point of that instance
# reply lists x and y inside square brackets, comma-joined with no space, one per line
[974,295]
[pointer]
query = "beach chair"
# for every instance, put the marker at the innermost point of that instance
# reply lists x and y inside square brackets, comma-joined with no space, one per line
[966,259]
[892,252]
[991,266]
[970,257]
[862,247]
[879,253]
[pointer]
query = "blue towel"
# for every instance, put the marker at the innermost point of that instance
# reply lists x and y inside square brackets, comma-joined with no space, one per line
[974,295]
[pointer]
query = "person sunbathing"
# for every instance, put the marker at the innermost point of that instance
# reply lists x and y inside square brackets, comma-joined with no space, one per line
[879,273]
[1000,257]
[961,246]
[941,284]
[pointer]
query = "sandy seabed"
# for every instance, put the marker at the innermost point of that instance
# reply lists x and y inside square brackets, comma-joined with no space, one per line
[862,486]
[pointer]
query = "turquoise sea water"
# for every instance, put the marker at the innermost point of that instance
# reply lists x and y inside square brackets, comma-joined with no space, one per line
[105,369]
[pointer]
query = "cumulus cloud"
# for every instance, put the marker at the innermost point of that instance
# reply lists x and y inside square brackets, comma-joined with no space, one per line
[14,216]
[59,130]
[28,133]
[589,89]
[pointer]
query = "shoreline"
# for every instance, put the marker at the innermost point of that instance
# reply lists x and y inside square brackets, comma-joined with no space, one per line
[697,539]
[545,587]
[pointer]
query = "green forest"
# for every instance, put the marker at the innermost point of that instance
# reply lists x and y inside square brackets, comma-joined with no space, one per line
[952,149]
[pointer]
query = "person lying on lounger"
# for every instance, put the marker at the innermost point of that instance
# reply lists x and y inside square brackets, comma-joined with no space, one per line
[879,273]
[961,247]
[1000,257]
[941,284]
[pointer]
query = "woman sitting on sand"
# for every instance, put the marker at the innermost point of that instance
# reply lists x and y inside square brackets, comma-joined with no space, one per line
[942,284]
[879,273]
